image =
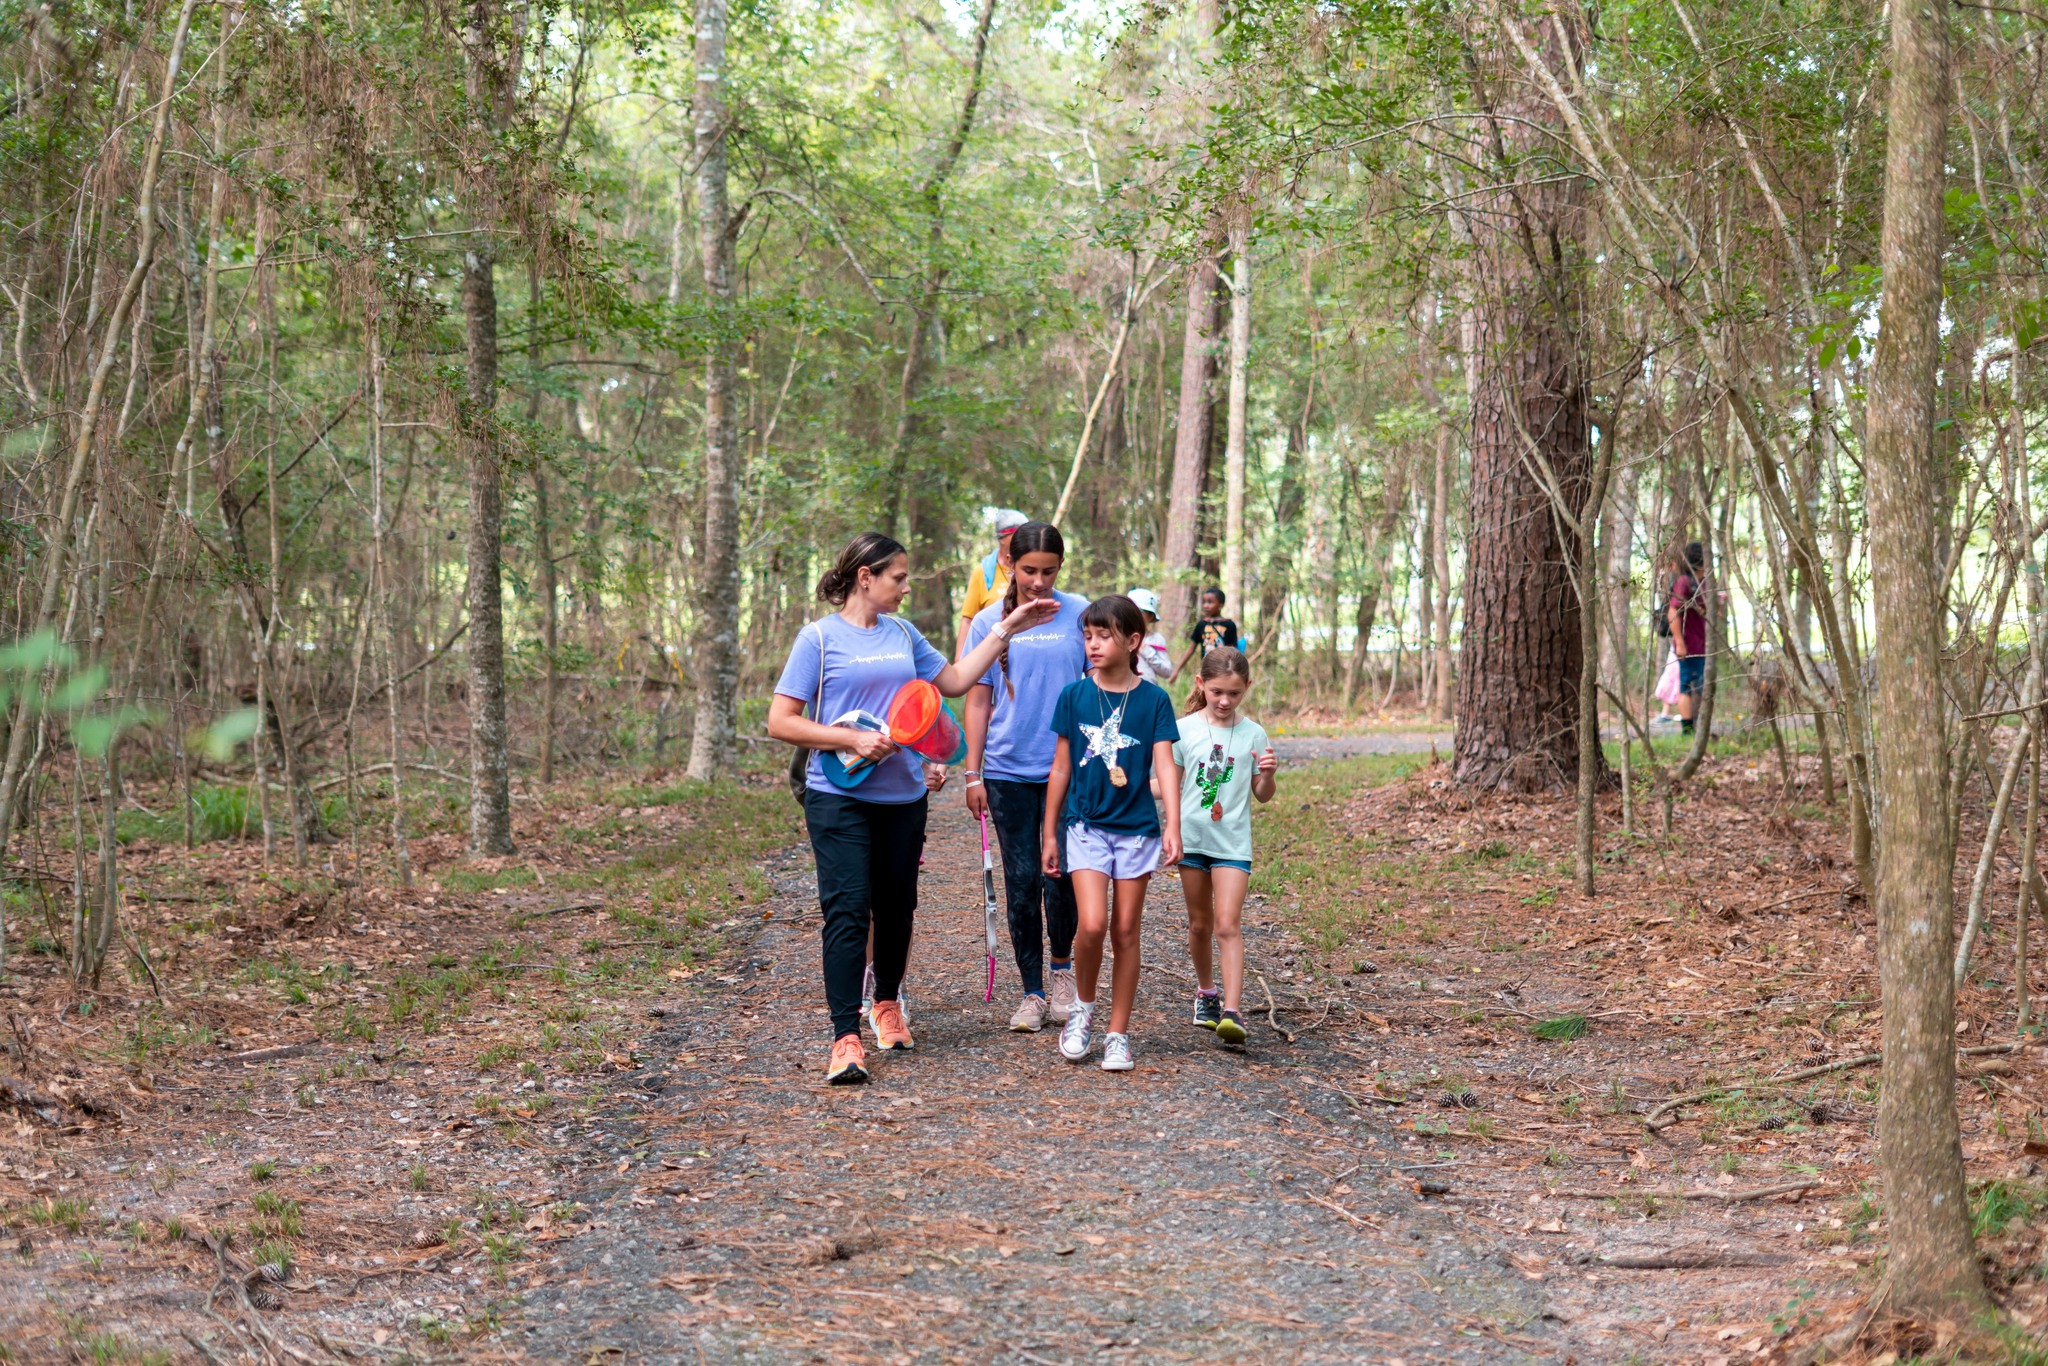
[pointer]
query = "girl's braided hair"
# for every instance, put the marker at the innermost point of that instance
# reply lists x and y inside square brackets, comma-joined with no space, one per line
[1025,540]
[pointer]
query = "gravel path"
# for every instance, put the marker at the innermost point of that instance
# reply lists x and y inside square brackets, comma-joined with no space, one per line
[1299,749]
[985,1200]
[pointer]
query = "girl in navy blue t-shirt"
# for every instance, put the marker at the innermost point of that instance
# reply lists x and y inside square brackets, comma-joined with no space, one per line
[1115,730]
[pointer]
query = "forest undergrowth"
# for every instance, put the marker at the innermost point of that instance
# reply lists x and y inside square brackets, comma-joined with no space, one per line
[319,1084]
[1543,1042]
[305,1081]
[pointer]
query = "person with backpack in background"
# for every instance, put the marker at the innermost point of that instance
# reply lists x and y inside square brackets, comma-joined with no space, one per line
[865,799]
[990,577]
[1686,619]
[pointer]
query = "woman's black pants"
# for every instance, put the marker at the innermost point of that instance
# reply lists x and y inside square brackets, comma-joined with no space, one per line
[867,854]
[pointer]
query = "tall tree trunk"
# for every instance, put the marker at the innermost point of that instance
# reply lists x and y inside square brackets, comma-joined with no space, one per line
[910,422]
[1278,580]
[1233,441]
[1518,684]
[1191,438]
[489,84]
[717,648]
[1931,1267]
[1440,550]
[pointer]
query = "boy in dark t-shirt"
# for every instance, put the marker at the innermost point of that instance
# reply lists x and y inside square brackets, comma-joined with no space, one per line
[1212,632]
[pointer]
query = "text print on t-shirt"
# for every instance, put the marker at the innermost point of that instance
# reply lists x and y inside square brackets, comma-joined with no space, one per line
[886,657]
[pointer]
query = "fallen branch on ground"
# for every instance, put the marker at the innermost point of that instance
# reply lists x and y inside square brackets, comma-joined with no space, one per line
[1650,1121]
[1685,1259]
[1336,1208]
[1273,1012]
[1726,1197]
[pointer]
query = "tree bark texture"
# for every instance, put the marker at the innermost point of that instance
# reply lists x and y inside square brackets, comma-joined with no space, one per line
[1931,1267]
[1440,550]
[489,86]
[1518,681]
[1234,423]
[1191,435]
[717,650]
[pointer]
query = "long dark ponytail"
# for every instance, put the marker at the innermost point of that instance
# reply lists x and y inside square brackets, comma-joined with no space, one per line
[872,551]
[1031,538]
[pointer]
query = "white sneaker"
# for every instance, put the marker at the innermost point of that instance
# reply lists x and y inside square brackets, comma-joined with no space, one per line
[867,993]
[1075,1037]
[1061,995]
[1116,1053]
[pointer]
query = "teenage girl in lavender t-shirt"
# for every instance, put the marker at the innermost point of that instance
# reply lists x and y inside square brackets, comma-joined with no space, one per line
[867,840]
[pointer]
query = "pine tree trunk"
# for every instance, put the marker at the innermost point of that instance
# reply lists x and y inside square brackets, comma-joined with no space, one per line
[1440,548]
[717,649]
[1931,1267]
[1191,435]
[1518,681]
[490,788]
[1234,428]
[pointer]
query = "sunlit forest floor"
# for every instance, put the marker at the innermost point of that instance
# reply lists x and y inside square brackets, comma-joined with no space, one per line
[564,1106]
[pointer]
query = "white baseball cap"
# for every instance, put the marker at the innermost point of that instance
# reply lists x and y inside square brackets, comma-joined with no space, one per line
[1006,519]
[1147,600]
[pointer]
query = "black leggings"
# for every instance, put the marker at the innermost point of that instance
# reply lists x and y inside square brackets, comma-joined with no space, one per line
[867,856]
[1017,810]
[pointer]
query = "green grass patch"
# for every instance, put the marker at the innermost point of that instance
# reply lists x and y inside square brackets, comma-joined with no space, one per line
[1994,1205]
[1311,859]
[1562,1028]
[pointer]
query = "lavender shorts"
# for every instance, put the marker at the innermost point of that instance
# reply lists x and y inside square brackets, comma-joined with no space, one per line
[1116,855]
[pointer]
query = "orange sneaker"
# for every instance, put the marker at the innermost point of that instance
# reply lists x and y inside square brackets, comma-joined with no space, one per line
[892,1031]
[849,1062]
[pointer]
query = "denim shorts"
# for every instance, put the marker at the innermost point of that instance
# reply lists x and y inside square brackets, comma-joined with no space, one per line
[1692,673]
[1202,863]
[1111,852]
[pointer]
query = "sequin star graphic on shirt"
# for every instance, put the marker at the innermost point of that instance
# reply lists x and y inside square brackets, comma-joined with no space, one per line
[1106,739]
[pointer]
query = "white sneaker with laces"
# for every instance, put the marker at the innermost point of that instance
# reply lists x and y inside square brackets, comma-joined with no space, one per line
[1061,994]
[1116,1053]
[1076,1035]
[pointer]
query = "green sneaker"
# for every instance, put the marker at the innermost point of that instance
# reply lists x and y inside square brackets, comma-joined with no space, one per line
[1208,1010]
[1230,1028]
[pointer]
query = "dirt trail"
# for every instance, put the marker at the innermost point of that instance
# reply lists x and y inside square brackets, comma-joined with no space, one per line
[999,1203]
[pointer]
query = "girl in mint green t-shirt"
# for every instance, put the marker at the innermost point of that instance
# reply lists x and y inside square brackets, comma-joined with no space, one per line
[1225,760]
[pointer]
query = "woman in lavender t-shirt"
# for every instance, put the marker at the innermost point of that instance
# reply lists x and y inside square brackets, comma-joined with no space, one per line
[867,839]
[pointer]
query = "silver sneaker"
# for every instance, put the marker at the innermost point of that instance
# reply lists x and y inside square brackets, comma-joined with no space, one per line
[1075,1037]
[1062,994]
[1116,1053]
[1030,1016]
